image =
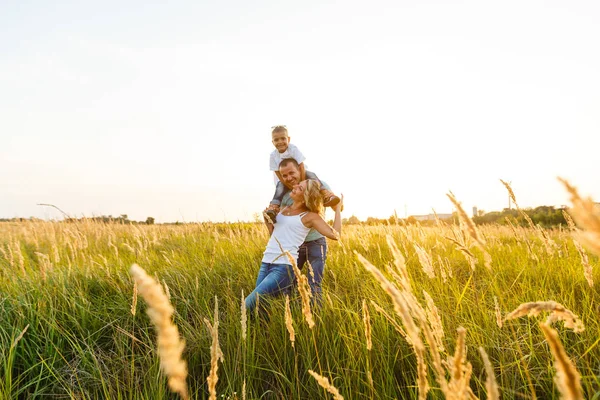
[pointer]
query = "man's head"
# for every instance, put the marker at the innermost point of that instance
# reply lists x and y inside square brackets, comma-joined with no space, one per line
[290,172]
[280,138]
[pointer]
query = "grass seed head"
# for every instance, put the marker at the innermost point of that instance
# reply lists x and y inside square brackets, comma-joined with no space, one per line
[567,379]
[170,347]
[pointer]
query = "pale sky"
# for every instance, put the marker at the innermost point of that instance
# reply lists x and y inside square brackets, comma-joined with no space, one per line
[164,110]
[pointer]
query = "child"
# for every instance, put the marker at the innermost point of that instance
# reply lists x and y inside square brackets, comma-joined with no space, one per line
[284,149]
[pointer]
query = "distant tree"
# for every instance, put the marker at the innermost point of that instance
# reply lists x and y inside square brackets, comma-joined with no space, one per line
[353,220]
[150,221]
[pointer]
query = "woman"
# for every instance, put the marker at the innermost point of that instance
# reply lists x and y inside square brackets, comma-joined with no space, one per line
[293,223]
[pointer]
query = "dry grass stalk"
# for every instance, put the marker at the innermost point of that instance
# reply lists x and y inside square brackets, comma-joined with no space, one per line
[11,258]
[567,378]
[498,313]
[4,254]
[491,385]
[587,268]
[289,322]
[45,264]
[128,247]
[215,353]
[311,271]
[549,244]
[400,306]
[459,355]
[557,311]
[399,260]
[19,254]
[390,319]
[435,355]
[442,269]
[134,299]
[435,321]
[324,382]
[244,390]
[244,317]
[167,291]
[367,323]
[586,214]
[18,338]
[570,222]
[425,261]
[514,229]
[55,255]
[514,200]
[422,381]
[170,347]
[115,248]
[471,229]
[304,289]
[470,257]
[510,192]
[460,369]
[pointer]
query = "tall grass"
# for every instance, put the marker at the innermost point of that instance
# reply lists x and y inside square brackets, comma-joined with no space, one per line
[69,283]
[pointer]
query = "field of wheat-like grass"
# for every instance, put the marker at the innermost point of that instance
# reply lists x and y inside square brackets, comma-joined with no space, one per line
[408,312]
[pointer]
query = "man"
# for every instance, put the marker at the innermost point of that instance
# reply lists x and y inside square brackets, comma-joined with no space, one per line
[314,248]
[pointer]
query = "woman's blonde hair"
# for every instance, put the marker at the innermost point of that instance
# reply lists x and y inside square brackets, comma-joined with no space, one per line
[312,196]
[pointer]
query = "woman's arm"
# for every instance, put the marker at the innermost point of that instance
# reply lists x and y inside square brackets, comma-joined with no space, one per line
[314,221]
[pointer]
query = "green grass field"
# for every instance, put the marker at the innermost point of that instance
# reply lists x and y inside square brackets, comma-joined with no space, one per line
[69,284]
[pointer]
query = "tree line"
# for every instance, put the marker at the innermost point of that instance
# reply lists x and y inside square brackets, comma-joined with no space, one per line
[545,216]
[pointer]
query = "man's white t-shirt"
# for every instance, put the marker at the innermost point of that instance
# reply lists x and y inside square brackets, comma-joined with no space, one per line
[276,157]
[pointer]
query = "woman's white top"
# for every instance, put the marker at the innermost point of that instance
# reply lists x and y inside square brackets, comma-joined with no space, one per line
[290,232]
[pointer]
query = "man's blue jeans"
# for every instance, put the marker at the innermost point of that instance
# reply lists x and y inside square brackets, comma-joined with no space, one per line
[315,252]
[272,280]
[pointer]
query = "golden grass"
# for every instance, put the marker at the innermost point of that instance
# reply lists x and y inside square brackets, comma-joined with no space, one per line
[79,250]
[215,353]
[324,382]
[134,298]
[557,311]
[586,214]
[170,347]
[244,317]
[471,230]
[304,289]
[367,323]
[568,380]
[289,321]
[491,386]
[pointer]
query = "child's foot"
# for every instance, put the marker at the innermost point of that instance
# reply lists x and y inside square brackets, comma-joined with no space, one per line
[332,201]
[272,212]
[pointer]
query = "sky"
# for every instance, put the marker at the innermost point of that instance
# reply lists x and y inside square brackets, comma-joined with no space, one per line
[164,109]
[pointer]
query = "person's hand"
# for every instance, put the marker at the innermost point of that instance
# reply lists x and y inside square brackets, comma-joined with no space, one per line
[340,206]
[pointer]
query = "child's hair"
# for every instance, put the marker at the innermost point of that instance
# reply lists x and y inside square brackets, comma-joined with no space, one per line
[279,128]
[312,196]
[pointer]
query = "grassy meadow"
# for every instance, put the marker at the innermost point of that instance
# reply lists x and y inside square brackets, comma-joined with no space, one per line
[71,325]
